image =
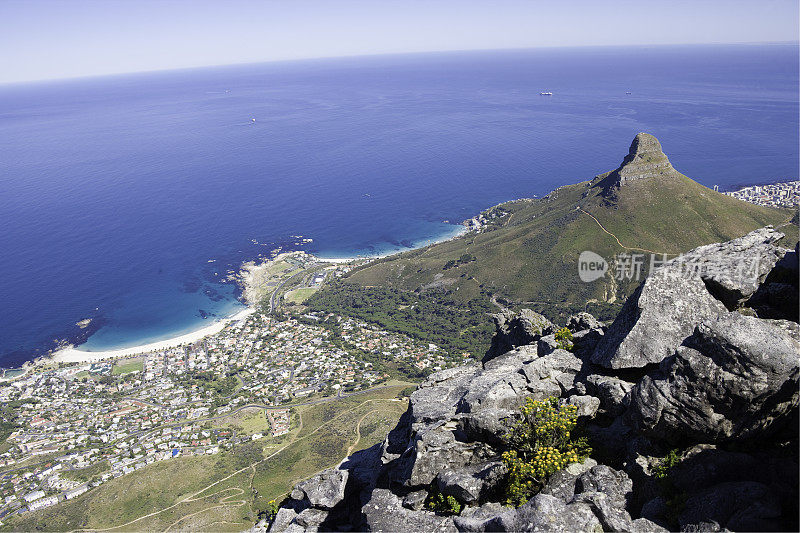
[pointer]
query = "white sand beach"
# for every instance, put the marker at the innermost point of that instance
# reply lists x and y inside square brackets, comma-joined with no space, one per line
[71,354]
[250,276]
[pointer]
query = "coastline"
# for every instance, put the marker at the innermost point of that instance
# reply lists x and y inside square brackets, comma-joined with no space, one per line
[430,242]
[71,354]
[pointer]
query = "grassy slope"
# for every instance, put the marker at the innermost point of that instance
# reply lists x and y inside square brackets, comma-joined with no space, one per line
[328,431]
[532,255]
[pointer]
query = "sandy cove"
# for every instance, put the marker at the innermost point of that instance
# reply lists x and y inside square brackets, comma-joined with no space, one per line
[249,277]
[70,354]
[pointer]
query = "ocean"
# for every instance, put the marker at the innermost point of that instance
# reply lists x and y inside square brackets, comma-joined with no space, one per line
[128,199]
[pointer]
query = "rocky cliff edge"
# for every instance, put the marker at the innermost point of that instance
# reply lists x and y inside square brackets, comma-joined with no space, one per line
[702,362]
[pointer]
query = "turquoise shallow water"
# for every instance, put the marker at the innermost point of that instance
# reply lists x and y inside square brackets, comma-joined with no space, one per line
[115,193]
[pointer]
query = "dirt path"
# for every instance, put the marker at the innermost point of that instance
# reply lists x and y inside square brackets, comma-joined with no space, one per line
[615,237]
[358,432]
[226,502]
[194,497]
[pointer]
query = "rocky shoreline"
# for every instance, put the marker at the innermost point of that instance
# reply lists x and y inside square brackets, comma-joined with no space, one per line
[689,400]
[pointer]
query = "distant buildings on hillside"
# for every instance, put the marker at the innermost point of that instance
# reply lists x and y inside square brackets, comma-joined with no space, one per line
[786,194]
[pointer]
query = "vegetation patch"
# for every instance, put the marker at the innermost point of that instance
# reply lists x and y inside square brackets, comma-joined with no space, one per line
[441,504]
[675,499]
[454,326]
[127,366]
[299,296]
[541,443]
[564,339]
[88,473]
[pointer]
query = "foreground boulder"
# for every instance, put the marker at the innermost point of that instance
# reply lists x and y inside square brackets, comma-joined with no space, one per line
[736,378]
[699,285]
[517,329]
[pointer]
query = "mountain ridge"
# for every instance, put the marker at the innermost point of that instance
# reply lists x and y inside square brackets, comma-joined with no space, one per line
[644,204]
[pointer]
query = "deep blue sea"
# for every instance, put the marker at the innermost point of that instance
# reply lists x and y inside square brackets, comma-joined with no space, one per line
[116,192]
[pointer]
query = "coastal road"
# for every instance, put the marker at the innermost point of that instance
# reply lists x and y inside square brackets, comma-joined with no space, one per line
[274,294]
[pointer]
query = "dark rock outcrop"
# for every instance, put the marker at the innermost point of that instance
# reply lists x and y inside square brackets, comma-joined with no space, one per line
[645,159]
[517,329]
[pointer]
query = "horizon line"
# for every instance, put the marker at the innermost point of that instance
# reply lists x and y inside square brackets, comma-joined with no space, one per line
[379,54]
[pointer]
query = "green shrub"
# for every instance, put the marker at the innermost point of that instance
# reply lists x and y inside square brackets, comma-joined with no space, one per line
[439,503]
[674,498]
[661,470]
[564,339]
[541,444]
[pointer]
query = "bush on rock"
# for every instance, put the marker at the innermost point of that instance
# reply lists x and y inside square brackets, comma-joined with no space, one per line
[564,339]
[541,444]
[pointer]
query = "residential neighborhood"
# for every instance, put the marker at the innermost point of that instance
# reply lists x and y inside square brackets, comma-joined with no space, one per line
[78,426]
[786,194]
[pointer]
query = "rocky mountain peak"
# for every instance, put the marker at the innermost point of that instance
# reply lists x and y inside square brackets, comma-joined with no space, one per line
[645,159]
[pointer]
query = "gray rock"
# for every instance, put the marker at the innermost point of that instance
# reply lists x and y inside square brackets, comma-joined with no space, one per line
[734,270]
[547,344]
[585,342]
[612,517]
[434,451]
[643,455]
[687,290]
[608,492]
[415,500]
[494,390]
[562,483]
[513,360]
[552,374]
[476,519]
[643,525]
[487,425]
[655,510]
[601,478]
[552,364]
[547,513]
[706,465]
[743,506]
[283,518]
[587,405]
[778,296]
[517,329]
[472,484]
[737,379]
[363,466]
[614,393]
[544,388]
[384,512]
[325,489]
[311,519]
[583,321]
[436,398]
[610,441]
[655,320]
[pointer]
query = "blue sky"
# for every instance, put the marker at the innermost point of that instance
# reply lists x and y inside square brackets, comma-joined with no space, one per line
[50,39]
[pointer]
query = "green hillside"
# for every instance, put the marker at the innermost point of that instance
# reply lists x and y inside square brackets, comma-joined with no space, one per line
[530,255]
